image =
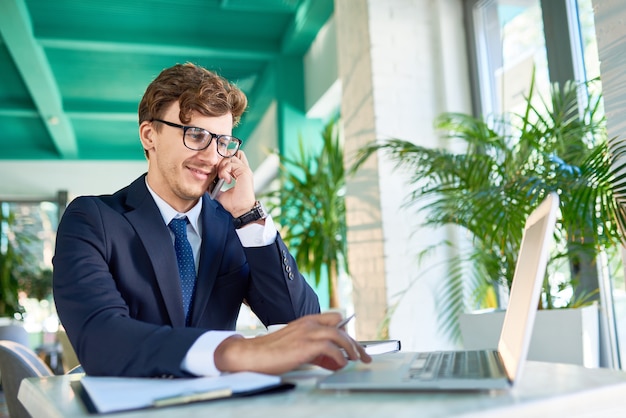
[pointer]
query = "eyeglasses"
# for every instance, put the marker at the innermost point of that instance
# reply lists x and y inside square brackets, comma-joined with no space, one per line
[198,139]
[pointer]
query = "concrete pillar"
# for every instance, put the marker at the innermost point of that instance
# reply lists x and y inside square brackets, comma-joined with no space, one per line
[401,63]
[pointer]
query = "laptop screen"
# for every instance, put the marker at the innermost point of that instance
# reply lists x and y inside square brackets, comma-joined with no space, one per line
[529,273]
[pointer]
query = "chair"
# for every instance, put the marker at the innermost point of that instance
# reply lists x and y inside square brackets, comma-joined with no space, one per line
[14,332]
[76,370]
[16,363]
[68,355]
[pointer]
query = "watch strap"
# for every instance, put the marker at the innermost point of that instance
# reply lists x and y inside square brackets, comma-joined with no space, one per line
[257,212]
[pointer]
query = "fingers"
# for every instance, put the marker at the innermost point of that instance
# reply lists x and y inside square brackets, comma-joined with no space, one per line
[239,198]
[330,319]
[227,170]
[337,345]
[234,167]
[242,156]
[363,356]
[313,339]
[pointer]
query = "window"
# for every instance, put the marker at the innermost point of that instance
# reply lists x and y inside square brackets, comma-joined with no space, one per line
[511,39]
[28,229]
[509,45]
[510,42]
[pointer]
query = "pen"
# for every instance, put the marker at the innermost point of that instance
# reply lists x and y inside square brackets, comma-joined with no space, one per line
[344,321]
[192,397]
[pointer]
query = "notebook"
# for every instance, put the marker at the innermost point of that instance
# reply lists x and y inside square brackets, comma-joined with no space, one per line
[498,368]
[104,394]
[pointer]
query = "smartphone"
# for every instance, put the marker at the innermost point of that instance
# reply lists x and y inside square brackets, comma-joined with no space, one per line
[216,187]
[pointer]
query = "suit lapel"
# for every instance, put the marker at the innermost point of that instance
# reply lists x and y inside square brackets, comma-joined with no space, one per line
[148,222]
[214,232]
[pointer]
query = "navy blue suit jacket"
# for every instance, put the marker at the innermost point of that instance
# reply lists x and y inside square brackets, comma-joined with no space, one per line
[117,290]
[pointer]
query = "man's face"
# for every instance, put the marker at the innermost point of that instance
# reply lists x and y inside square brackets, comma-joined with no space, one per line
[176,173]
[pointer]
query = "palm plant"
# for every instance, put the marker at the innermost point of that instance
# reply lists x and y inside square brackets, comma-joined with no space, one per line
[312,208]
[9,302]
[508,164]
[16,262]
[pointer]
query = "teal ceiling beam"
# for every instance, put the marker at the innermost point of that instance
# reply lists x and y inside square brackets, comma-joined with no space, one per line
[310,17]
[87,111]
[289,95]
[259,6]
[258,52]
[29,58]
[259,100]
[17,110]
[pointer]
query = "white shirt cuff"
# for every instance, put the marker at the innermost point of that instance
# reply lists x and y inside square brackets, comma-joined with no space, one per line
[256,235]
[200,359]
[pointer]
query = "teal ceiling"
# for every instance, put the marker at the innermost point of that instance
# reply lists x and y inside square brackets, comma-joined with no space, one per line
[72,72]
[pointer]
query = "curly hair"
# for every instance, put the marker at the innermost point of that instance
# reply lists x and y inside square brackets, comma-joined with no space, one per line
[196,89]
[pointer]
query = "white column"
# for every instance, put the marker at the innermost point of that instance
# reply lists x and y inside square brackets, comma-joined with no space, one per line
[401,63]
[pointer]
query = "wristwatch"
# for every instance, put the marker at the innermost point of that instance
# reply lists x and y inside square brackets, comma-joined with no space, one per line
[257,212]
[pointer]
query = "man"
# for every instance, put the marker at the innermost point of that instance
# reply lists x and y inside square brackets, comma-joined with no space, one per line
[140,296]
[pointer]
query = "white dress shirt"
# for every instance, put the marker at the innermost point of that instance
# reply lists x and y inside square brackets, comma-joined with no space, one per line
[200,357]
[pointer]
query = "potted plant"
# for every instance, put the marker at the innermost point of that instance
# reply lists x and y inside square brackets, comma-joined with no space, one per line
[505,167]
[311,200]
[16,263]
[11,262]
[20,270]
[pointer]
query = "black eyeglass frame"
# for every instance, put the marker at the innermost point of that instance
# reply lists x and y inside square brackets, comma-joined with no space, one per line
[213,136]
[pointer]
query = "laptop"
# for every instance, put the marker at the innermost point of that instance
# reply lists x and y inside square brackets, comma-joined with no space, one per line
[470,369]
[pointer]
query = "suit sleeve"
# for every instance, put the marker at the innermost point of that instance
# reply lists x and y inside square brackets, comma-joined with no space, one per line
[92,309]
[278,293]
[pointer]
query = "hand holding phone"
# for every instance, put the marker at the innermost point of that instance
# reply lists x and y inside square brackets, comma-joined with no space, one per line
[216,187]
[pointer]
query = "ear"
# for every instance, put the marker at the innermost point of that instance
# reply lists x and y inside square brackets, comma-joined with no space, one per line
[147,135]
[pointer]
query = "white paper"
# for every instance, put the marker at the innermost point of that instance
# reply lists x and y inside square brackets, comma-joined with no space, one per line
[380,347]
[111,394]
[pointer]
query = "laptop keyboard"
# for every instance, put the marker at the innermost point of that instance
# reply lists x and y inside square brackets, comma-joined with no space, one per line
[452,364]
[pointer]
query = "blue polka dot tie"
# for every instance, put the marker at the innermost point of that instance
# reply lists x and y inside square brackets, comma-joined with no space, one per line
[186,265]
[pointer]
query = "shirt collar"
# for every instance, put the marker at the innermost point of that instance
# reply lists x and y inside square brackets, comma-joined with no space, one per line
[168,213]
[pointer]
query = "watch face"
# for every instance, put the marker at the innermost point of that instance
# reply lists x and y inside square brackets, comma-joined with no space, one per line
[261,209]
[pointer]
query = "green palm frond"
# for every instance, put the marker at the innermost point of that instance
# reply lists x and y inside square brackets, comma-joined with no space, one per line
[311,207]
[495,170]
[16,261]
